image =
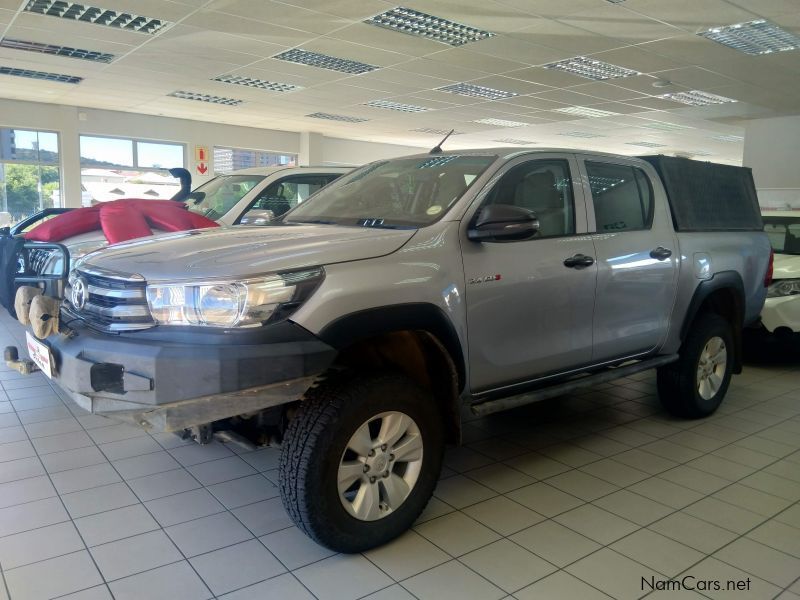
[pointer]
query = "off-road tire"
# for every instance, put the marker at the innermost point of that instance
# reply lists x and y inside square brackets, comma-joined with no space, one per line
[315,440]
[678,381]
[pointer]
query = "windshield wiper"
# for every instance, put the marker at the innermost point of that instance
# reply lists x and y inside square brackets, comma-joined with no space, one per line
[313,222]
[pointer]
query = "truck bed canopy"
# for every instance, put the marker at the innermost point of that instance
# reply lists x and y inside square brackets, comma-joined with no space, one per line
[705,196]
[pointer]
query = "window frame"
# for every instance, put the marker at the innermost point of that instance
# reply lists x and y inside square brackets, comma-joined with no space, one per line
[39,164]
[135,153]
[216,173]
[612,161]
[571,168]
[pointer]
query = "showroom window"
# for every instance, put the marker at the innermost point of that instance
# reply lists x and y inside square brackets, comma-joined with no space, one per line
[622,197]
[30,174]
[115,168]
[541,186]
[227,160]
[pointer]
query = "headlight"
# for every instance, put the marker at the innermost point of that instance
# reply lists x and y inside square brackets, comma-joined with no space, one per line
[247,303]
[783,287]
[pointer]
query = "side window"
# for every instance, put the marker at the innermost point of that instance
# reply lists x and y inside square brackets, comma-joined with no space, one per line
[622,197]
[287,193]
[545,188]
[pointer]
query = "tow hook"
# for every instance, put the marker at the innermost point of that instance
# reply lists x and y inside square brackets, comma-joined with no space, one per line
[24,366]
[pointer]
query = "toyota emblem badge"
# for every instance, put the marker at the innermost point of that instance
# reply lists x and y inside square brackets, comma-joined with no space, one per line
[80,294]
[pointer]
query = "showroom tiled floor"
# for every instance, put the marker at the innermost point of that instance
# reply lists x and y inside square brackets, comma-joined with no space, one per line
[580,497]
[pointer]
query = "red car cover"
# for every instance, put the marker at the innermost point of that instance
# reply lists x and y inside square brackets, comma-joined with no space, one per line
[120,220]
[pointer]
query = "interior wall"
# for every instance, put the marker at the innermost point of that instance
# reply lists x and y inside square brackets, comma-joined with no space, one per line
[772,150]
[70,122]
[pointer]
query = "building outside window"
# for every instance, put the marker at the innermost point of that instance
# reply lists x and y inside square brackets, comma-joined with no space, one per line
[30,173]
[116,168]
[227,160]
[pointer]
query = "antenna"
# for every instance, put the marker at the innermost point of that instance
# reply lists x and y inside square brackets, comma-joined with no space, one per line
[438,148]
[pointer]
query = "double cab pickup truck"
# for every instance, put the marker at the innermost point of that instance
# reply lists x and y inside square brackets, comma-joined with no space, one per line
[354,330]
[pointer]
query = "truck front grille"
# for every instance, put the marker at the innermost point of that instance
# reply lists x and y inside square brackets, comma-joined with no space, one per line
[108,301]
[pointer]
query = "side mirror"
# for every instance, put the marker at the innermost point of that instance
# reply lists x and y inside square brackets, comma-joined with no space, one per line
[503,223]
[257,216]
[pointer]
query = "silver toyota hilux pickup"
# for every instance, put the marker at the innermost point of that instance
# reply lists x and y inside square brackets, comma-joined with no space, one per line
[355,331]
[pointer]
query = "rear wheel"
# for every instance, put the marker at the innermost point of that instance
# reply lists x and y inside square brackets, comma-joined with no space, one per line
[360,460]
[695,385]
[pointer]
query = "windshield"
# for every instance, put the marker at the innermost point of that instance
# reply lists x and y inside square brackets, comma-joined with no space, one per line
[400,193]
[221,194]
[783,233]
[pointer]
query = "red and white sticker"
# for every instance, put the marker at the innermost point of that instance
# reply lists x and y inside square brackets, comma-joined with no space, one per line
[40,354]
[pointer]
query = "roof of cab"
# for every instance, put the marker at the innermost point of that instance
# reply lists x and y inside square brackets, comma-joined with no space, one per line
[507,153]
[270,170]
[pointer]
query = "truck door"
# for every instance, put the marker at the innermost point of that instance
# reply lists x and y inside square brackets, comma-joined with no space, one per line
[530,303]
[637,256]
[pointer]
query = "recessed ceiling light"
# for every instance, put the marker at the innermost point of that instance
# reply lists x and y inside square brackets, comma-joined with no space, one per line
[205,98]
[501,122]
[515,141]
[332,117]
[476,91]
[581,134]
[591,68]
[585,111]
[261,84]
[701,153]
[413,22]
[729,138]
[323,61]
[615,1]
[753,37]
[664,126]
[56,50]
[646,144]
[696,98]
[410,108]
[99,16]
[58,77]
[436,131]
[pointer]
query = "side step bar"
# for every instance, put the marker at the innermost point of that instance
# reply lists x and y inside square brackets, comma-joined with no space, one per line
[492,406]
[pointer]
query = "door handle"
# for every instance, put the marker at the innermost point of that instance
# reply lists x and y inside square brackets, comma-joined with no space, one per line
[578,261]
[660,253]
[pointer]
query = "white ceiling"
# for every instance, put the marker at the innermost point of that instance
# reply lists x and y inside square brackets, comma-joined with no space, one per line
[215,37]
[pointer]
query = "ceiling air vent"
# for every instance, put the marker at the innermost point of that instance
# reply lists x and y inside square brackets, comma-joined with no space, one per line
[585,111]
[436,131]
[591,68]
[753,37]
[99,16]
[581,134]
[645,144]
[332,117]
[664,126]
[413,22]
[696,98]
[323,61]
[409,108]
[40,75]
[205,98]
[515,142]
[261,84]
[501,122]
[476,91]
[729,138]
[66,51]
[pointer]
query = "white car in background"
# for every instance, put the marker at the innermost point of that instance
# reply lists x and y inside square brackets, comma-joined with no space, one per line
[247,197]
[781,313]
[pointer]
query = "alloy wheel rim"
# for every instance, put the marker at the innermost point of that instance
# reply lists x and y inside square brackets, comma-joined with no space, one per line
[711,368]
[380,466]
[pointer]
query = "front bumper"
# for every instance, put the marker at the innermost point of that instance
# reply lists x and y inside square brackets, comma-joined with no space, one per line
[169,386]
[781,312]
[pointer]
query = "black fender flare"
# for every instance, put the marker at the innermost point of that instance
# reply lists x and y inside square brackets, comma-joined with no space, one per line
[415,316]
[730,280]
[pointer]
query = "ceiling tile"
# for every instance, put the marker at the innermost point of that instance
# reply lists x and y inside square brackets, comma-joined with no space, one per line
[63,30]
[548,77]
[225,23]
[509,84]
[349,9]
[605,91]
[477,62]
[616,22]
[691,15]
[638,59]
[496,17]
[768,8]
[386,39]
[571,41]
[283,15]
[438,69]
[548,8]
[504,46]
[568,97]
[343,49]
[533,103]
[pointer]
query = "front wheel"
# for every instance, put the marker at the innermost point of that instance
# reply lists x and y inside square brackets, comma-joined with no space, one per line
[695,385]
[360,460]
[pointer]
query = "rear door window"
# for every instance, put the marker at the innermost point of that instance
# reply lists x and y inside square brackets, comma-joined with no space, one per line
[622,197]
